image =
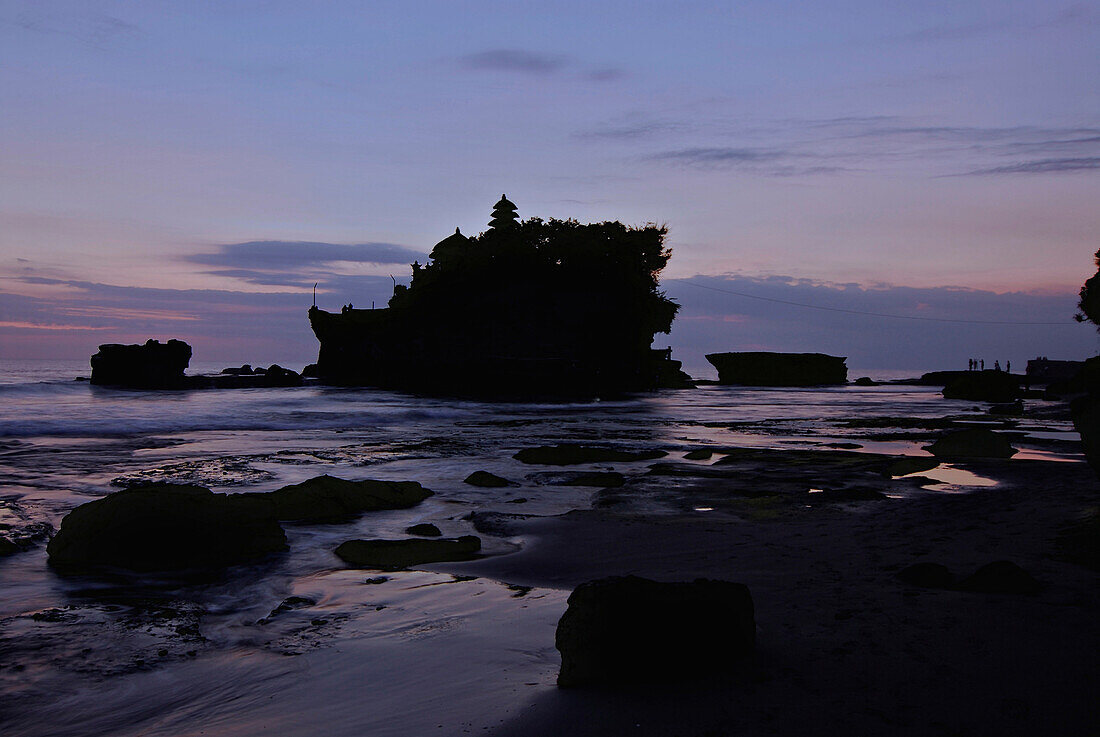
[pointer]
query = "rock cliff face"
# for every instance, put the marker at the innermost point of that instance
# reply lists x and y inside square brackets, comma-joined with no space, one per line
[779,369]
[525,309]
[154,365]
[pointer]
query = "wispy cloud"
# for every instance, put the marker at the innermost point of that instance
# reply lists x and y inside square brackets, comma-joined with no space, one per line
[1043,166]
[535,63]
[788,147]
[297,263]
[513,60]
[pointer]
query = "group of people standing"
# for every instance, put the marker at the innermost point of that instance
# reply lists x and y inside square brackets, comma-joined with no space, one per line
[978,364]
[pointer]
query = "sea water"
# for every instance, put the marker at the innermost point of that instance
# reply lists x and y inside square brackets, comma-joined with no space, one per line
[148,655]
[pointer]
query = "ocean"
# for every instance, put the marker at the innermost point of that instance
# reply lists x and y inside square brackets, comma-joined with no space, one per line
[123,654]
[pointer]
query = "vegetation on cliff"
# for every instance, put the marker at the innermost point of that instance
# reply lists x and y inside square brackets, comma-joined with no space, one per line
[530,306]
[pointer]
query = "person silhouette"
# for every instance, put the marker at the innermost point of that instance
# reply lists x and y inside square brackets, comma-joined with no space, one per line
[982,361]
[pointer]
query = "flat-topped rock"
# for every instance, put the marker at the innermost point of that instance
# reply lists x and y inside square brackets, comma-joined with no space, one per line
[764,368]
[389,555]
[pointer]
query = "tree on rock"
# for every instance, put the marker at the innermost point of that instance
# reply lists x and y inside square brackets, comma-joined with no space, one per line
[1089,305]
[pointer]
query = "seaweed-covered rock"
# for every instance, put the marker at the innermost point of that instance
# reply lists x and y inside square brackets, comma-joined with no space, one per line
[7,547]
[631,629]
[330,499]
[424,529]
[1000,577]
[699,454]
[487,480]
[972,443]
[154,365]
[984,386]
[167,527]
[571,454]
[388,555]
[928,575]
[763,368]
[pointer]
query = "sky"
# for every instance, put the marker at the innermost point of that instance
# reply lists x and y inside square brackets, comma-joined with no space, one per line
[192,169]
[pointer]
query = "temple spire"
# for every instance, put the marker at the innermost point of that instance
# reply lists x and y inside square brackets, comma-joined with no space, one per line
[504,214]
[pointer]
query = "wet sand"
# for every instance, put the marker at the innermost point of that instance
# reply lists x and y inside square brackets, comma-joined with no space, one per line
[844,647]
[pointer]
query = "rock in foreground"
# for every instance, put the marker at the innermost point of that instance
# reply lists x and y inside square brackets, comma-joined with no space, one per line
[390,555]
[570,454]
[330,499]
[972,443]
[633,630]
[150,366]
[763,368]
[166,527]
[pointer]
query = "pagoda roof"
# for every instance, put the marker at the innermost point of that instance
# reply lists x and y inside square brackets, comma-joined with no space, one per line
[505,204]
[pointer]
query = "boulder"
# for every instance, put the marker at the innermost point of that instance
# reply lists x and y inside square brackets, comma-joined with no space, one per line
[276,375]
[166,527]
[763,368]
[631,630]
[330,499]
[928,575]
[1000,577]
[571,454]
[699,454]
[984,386]
[972,443]
[389,555]
[150,366]
[7,547]
[487,480]
[865,381]
[424,529]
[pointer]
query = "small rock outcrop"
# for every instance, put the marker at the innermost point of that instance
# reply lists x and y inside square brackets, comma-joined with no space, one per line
[424,529]
[487,480]
[330,499]
[167,527]
[972,443]
[983,386]
[632,630]
[763,368]
[154,365]
[391,555]
[571,454]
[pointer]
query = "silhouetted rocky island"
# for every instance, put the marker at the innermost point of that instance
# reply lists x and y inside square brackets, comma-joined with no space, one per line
[538,307]
[763,368]
[156,365]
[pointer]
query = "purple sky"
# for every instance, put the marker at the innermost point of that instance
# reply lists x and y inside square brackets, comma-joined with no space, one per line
[190,169]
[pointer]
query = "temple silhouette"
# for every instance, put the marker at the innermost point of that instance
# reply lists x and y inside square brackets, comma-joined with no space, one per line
[526,308]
